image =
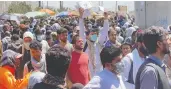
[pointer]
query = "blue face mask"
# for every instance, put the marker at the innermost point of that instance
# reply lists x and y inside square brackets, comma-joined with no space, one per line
[93,37]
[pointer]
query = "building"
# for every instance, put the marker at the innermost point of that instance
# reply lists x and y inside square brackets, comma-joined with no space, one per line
[149,13]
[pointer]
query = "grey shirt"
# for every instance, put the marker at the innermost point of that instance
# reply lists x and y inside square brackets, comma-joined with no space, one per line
[148,78]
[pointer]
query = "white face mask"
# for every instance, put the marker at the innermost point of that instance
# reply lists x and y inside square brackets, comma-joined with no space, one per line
[118,67]
[26,46]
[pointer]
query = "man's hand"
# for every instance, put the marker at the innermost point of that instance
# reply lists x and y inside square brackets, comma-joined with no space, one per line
[81,11]
[106,15]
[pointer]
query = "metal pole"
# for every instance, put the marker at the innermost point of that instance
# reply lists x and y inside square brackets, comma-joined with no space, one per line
[116,7]
[47,4]
[145,15]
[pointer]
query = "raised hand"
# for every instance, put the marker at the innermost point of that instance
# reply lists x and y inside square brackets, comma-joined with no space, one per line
[106,15]
[81,11]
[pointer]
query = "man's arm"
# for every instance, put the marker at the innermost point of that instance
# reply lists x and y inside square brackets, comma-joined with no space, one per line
[81,25]
[104,32]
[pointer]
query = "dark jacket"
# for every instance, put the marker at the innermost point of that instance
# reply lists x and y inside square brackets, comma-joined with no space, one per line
[50,82]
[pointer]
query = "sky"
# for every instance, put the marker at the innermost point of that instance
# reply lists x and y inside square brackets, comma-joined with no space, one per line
[109,5]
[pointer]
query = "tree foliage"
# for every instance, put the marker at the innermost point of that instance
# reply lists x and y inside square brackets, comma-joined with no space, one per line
[19,7]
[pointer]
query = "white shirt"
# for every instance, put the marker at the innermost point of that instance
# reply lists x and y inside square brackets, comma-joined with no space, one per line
[97,45]
[137,61]
[106,80]
[45,46]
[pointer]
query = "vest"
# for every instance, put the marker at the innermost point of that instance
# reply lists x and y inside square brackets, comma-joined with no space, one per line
[163,82]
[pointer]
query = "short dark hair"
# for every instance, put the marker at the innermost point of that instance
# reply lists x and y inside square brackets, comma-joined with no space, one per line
[57,60]
[151,36]
[139,35]
[111,29]
[62,30]
[74,39]
[35,45]
[109,53]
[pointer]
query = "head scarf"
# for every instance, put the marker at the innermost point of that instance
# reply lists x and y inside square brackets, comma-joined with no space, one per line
[28,34]
[9,58]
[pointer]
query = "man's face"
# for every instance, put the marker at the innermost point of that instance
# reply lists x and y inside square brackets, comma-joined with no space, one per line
[114,61]
[112,36]
[64,37]
[35,53]
[126,49]
[164,45]
[79,45]
[27,39]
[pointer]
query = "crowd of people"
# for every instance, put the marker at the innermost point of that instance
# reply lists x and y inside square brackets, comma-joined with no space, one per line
[82,53]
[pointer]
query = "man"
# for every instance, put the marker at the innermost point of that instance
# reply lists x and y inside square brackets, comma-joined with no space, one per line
[93,43]
[78,71]
[27,39]
[40,37]
[6,40]
[38,61]
[57,60]
[110,77]
[63,39]
[133,61]
[151,74]
[112,34]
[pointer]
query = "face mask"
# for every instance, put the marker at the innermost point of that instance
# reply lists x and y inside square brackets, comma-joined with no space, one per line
[93,37]
[39,37]
[26,46]
[118,67]
[143,51]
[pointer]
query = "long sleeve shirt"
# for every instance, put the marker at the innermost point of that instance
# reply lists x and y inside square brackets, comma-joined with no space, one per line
[94,49]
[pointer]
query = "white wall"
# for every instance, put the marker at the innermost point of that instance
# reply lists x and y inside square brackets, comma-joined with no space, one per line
[151,13]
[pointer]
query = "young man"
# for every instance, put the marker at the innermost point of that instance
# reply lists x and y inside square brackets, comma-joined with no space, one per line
[151,74]
[133,61]
[38,61]
[78,71]
[110,77]
[63,39]
[58,60]
[94,41]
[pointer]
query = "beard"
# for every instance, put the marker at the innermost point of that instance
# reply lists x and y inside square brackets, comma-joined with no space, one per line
[166,51]
[78,47]
[64,41]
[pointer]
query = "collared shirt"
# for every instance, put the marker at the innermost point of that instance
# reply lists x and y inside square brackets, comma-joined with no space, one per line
[157,60]
[109,43]
[106,80]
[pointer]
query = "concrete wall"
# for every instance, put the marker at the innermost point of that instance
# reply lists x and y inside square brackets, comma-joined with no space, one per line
[149,13]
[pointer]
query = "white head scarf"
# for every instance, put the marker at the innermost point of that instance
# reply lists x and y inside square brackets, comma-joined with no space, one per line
[27,34]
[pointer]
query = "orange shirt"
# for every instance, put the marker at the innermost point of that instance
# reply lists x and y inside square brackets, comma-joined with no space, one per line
[8,81]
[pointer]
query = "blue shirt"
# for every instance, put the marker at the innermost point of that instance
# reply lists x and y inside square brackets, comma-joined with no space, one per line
[156,60]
